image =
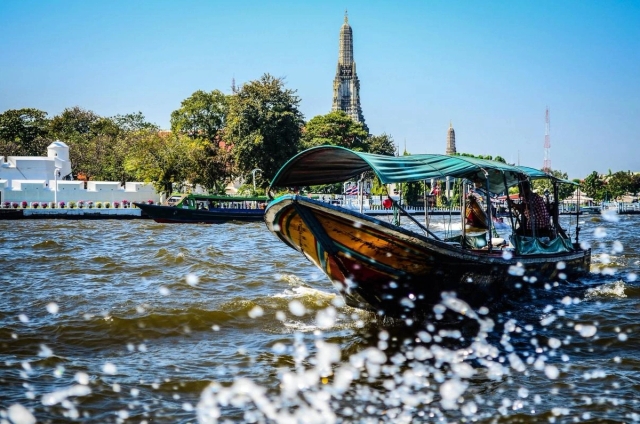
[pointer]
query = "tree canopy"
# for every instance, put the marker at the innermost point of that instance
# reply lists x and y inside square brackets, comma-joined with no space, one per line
[23,132]
[544,185]
[337,129]
[264,125]
[202,115]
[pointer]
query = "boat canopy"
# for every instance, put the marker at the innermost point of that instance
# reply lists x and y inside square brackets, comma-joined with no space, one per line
[334,164]
[536,174]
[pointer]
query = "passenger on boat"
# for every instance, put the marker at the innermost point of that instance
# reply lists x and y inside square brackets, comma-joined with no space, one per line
[533,212]
[476,217]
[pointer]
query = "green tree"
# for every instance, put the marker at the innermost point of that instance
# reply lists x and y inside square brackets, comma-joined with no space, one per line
[213,165]
[78,128]
[202,115]
[163,160]
[593,185]
[264,125]
[335,128]
[545,185]
[24,132]
[120,130]
[132,122]
[381,144]
[73,122]
[635,183]
[619,183]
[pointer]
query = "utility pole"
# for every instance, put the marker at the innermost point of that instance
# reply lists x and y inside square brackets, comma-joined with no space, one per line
[546,166]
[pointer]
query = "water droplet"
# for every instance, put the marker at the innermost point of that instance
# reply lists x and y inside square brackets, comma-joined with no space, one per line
[164,291]
[45,352]
[516,270]
[52,308]
[338,302]
[407,303]
[109,368]
[507,255]
[551,371]
[23,318]
[610,215]
[193,280]
[326,318]
[599,232]
[297,308]
[279,348]
[58,372]
[256,312]
[554,343]
[18,414]
[617,247]
[82,378]
[586,330]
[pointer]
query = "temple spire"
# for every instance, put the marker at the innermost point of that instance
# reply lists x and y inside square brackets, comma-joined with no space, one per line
[346,86]
[451,140]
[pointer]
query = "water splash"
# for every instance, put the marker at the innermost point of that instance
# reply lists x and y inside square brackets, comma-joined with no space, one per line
[614,289]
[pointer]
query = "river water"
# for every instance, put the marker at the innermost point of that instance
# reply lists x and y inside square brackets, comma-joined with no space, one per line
[135,321]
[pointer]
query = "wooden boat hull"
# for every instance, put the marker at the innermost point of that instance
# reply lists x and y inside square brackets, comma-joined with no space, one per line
[394,271]
[171,214]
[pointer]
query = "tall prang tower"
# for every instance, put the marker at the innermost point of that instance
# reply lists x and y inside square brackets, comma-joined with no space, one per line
[451,141]
[346,85]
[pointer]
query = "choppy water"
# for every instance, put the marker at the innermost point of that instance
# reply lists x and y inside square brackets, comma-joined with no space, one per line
[134,321]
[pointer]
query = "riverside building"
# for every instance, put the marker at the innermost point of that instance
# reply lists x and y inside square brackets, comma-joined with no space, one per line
[46,179]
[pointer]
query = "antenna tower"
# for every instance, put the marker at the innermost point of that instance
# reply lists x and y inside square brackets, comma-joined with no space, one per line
[546,166]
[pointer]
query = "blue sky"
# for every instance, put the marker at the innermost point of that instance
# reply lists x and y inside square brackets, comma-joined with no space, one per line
[489,67]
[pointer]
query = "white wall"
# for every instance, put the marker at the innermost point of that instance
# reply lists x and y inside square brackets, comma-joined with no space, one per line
[32,179]
[96,191]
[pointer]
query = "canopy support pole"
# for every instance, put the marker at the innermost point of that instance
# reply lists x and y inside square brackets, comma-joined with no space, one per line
[489,215]
[414,220]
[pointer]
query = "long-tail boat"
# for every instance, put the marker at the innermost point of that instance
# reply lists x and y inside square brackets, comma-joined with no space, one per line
[395,270]
[207,209]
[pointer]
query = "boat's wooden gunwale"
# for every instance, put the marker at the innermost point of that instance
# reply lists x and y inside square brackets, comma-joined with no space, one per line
[437,246]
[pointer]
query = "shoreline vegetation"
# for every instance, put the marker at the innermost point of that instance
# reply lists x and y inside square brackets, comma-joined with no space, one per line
[216,138]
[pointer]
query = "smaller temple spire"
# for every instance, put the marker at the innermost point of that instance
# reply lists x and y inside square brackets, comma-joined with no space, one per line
[451,140]
[346,16]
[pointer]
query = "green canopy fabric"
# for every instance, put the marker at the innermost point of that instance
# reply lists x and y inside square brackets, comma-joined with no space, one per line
[334,164]
[535,174]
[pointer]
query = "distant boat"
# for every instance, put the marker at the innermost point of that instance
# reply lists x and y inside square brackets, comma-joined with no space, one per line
[396,271]
[207,209]
[590,210]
